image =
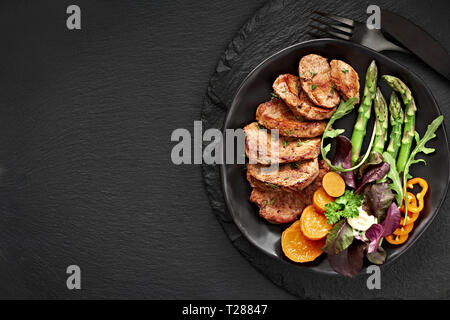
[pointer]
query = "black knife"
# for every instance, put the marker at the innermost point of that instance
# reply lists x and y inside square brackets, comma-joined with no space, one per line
[417,41]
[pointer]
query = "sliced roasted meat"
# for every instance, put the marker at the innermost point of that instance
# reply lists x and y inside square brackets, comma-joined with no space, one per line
[261,148]
[345,79]
[307,110]
[286,87]
[285,207]
[279,207]
[275,114]
[315,80]
[288,177]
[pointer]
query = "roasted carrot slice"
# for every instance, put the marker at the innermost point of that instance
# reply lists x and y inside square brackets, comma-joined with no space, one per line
[333,184]
[314,224]
[403,230]
[393,239]
[320,199]
[299,248]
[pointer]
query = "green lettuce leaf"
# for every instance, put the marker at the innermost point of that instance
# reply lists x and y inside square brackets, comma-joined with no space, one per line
[339,238]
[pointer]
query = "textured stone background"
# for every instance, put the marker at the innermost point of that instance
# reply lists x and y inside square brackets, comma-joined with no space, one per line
[422,272]
[86,176]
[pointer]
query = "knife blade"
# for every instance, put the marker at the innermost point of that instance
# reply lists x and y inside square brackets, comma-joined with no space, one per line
[417,41]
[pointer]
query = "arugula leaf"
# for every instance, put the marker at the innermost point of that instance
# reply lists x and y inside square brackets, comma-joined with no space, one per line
[392,174]
[346,206]
[420,147]
[345,107]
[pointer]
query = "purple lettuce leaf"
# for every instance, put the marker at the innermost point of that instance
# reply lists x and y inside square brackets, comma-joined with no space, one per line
[350,261]
[387,227]
[392,220]
[343,157]
[373,174]
[373,159]
[378,197]
[374,234]
[377,257]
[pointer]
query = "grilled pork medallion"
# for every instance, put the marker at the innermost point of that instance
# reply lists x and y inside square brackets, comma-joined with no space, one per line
[275,114]
[315,80]
[288,177]
[289,149]
[345,79]
[285,207]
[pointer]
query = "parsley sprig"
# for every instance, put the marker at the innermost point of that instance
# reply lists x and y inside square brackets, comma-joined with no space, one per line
[346,206]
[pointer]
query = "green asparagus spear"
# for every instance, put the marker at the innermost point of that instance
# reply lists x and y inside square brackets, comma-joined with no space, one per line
[381,121]
[359,131]
[396,118]
[410,118]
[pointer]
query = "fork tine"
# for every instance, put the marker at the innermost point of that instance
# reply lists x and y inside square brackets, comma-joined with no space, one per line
[331,33]
[346,21]
[346,30]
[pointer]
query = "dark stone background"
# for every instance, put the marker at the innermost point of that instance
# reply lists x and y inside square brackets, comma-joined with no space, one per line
[85,170]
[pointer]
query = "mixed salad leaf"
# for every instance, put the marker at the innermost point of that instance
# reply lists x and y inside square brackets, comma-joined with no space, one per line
[339,238]
[373,159]
[387,227]
[378,197]
[350,261]
[378,256]
[343,158]
[373,174]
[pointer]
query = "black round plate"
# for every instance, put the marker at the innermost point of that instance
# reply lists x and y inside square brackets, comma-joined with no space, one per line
[256,89]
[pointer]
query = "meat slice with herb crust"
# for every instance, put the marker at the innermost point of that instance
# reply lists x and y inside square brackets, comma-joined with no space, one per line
[288,177]
[345,78]
[285,207]
[286,87]
[275,114]
[307,110]
[289,149]
[315,80]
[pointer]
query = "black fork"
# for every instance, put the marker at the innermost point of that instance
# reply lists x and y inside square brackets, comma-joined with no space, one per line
[351,30]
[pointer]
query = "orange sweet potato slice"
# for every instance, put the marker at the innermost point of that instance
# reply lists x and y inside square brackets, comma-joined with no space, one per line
[299,248]
[314,224]
[320,199]
[333,184]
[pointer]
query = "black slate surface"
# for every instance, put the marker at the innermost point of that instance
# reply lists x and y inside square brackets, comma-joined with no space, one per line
[423,271]
[85,171]
[86,177]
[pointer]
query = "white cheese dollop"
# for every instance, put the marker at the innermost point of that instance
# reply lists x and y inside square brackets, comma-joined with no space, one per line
[363,221]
